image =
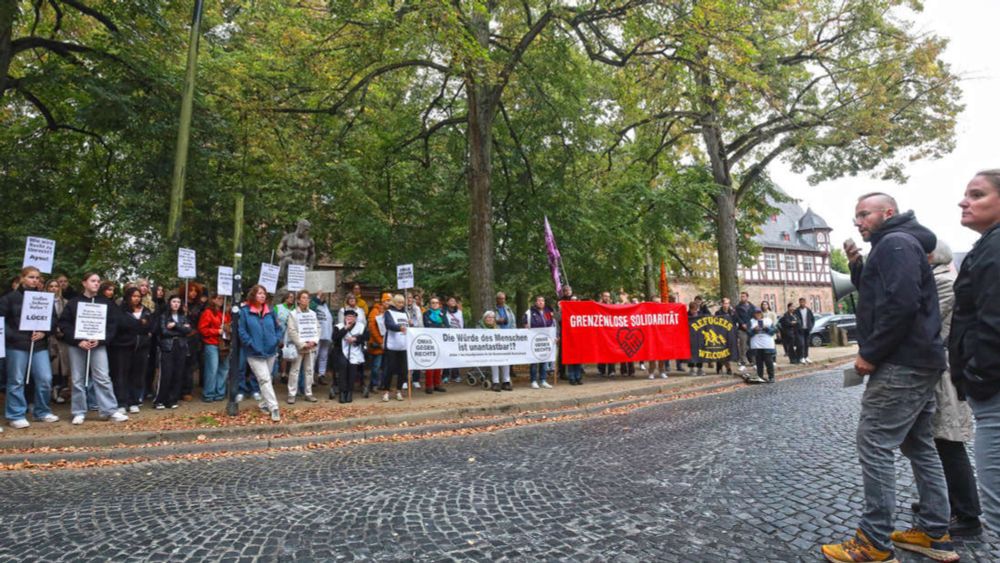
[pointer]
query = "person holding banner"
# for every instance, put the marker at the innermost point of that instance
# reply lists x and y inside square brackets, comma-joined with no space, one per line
[303,333]
[415,317]
[540,316]
[26,347]
[434,317]
[349,340]
[694,312]
[396,323]
[727,311]
[215,325]
[89,357]
[261,334]
[175,328]
[129,350]
[499,373]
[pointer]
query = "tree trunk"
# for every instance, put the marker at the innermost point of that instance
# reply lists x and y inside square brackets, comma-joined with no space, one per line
[481,115]
[725,224]
[8,10]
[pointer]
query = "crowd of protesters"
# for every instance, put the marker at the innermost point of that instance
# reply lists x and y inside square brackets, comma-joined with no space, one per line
[162,344]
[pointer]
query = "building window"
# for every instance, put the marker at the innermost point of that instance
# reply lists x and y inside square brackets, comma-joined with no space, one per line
[770,262]
[820,237]
[785,236]
[790,262]
[807,263]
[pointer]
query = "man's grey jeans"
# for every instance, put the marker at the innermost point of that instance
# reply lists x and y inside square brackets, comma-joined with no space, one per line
[896,412]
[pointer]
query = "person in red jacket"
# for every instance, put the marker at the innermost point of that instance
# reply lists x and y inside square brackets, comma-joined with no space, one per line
[215,328]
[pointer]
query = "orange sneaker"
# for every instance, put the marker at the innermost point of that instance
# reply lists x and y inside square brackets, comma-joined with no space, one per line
[940,549]
[858,549]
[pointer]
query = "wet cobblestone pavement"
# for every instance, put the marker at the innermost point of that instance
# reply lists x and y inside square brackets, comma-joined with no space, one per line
[766,473]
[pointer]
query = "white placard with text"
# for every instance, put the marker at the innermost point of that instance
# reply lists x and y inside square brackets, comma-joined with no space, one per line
[40,253]
[186,264]
[269,277]
[224,284]
[296,277]
[404,276]
[91,321]
[36,311]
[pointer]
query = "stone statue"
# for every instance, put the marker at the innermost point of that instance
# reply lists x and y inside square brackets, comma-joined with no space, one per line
[296,247]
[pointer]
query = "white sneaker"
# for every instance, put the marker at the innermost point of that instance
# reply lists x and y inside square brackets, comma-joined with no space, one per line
[239,397]
[133,409]
[256,396]
[742,368]
[49,418]
[808,361]
[642,366]
[20,423]
[652,376]
[663,375]
[406,386]
[545,385]
[120,410]
[118,417]
[385,397]
[399,396]
[78,419]
[416,385]
[534,385]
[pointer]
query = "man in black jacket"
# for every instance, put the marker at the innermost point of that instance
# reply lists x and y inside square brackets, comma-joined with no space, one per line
[900,348]
[806,322]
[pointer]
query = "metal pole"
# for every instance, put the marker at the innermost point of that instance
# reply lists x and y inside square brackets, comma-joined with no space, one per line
[31,355]
[184,130]
[232,382]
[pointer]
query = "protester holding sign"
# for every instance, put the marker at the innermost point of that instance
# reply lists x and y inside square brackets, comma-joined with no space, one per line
[214,325]
[260,334]
[349,340]
[129,350]
[22,344]
[303,333]
[396,323]
[90,351]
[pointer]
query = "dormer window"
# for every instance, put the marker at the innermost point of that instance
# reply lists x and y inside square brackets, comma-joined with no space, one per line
[785,236]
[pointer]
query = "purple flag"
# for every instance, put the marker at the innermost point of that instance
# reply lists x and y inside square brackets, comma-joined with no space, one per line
[554,258]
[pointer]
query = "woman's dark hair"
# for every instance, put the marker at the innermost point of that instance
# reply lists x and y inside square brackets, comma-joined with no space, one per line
[127,298]
[105,285]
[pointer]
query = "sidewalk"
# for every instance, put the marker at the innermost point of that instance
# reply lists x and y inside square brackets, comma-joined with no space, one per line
[196,421]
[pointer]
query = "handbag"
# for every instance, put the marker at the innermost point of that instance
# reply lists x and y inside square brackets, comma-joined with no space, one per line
[289,351]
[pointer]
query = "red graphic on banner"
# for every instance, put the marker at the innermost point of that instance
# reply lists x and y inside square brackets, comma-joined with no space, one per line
[596,333]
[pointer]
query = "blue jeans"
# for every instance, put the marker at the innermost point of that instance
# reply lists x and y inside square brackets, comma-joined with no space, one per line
[574,372]
[376,376]
[100,381]
[988,457]
[896,412]
[538,372]
[41,375]
[214,374]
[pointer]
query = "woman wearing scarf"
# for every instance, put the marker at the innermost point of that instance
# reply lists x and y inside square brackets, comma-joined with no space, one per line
[349,340]
[434,317]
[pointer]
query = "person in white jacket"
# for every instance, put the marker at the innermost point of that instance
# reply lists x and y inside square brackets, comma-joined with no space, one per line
[304,333]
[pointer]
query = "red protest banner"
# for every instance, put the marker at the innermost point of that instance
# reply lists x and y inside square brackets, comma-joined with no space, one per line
[596,333]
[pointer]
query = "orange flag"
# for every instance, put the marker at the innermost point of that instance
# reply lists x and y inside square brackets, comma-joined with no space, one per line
[664,288]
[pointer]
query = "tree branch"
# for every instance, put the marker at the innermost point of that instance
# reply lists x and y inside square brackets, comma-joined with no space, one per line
[84,9]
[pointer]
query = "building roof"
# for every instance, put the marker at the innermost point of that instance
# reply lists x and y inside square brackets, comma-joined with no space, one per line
[790,220]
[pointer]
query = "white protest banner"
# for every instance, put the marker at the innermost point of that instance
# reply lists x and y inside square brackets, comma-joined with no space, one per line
[308,326]
[3,339]
[224,283]
[36,311]
[404,276]
[40,253]
[323,280]
[91,321]
[296,277]
[269,277]
[186,264]
[429,348]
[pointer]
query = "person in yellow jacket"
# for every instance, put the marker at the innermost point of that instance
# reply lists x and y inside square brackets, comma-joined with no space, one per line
[376,340]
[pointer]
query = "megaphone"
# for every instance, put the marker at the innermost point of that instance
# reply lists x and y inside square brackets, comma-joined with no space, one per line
[842,286]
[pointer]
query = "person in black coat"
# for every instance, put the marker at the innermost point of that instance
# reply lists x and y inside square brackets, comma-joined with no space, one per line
[974,340]
[130,349]
[791,329]
[174,329]
[806,323]
[348,343]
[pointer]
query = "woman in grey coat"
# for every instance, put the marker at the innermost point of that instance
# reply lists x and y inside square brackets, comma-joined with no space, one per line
[953,419]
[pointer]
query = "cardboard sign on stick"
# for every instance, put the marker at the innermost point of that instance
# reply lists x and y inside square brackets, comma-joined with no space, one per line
[186,264]
[404,276]
[224,284]
[40,253]
[91,321]
[296,277]
[269,277]
[36,311]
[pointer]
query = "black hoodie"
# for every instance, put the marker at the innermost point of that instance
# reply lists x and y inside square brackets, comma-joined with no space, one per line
[898,317]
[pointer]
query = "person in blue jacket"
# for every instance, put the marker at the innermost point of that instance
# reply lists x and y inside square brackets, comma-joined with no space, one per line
[260,333]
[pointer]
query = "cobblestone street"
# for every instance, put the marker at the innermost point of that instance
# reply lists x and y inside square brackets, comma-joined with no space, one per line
[766,473]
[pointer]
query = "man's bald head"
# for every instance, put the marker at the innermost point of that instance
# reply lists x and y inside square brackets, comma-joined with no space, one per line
[872,211]
[882,200]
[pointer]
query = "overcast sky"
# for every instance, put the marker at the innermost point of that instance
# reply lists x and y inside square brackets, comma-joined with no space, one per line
[934,186]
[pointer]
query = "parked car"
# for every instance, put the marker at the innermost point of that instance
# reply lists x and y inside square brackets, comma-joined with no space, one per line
[820,334]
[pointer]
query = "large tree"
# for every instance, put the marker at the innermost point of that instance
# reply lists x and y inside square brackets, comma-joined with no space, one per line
[831,87]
